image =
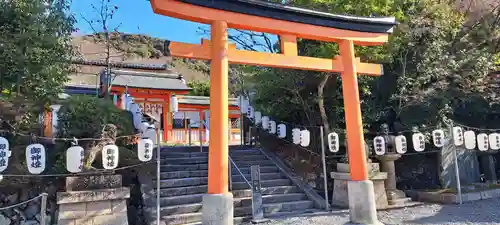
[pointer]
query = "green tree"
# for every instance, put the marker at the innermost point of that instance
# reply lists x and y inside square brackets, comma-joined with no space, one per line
[199,88]
[35,49]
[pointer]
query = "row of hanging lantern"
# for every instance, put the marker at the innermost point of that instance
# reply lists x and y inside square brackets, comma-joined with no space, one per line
[299,137]
[467,139]
[36,156]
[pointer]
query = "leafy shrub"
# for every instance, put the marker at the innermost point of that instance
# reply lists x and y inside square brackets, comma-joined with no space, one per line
[85,117]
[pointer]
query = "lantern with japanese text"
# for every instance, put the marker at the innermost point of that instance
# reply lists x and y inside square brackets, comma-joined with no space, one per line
[296,136]
[494,139]
[4,153]
[35,158]
[265,122]
[145,149]
[258,117]
[74,159]
[379,145]
[250,112]
[418,140]
[305,138]
[333,142]
[401,144]
[438,138]
[281,131]
[458,136]
[482,142]
[110,157]
[470,139]
[272,127]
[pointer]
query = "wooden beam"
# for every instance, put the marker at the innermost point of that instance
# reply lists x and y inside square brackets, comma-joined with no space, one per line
[236,56]
[184,11]
[289,45]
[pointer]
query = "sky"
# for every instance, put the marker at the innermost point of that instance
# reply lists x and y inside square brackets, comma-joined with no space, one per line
[137,17]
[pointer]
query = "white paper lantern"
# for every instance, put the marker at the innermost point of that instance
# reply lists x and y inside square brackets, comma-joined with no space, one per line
[258,117]
[418,140]
[35,158]
[145,149]
[401,144]
[250,112]
[110,157]
[4,154]
[243,104]
[482,142]
[74,159]
[458,136]
[272,127]
[494,139]
[438,138]
[379,145]
[333,142]
[174,104]
[265,122]
[296,136]
[281,131]
[305,138]
[470,139]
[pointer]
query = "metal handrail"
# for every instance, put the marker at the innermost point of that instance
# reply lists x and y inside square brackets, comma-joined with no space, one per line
[241,173]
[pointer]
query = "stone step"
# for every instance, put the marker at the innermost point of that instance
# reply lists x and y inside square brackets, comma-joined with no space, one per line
[202,189]
[184,160]
[183,174]
[193,219]
[171,168]
[196,181]
[193,167]
[264,183]
[181,199]
[263,176]
[204,160]
[238,202]
[169,154]
[165,153]
[236,176]
[248,157]
[263,169]
[270,209]
[270,199]
[201,165]
[182,182]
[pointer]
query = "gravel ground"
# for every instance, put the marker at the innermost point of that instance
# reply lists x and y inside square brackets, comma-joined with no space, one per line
[479,212]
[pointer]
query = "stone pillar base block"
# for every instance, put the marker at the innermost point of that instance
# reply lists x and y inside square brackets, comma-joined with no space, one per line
[218,209]
[362,207]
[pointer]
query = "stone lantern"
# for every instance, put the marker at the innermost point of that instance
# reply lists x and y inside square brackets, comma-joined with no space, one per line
[387,165]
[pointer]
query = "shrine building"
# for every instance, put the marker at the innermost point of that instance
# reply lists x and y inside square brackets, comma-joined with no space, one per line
[152,88]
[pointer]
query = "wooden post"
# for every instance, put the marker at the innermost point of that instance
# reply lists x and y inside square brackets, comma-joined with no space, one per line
[219,112]
[352,108]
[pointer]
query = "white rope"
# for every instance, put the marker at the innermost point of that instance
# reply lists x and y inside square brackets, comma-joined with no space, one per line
[22,203]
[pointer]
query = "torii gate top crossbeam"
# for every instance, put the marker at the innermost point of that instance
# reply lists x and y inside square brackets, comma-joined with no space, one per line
[278,19]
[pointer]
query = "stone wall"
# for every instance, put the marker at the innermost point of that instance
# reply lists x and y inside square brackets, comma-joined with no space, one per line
[418,171]
[29,213]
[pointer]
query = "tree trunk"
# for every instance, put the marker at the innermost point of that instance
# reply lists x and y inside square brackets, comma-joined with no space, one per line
[321,103]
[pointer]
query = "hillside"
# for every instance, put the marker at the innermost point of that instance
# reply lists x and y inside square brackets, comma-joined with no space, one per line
[128,48]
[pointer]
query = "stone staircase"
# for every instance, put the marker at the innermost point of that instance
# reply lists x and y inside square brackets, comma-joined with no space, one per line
[184,182]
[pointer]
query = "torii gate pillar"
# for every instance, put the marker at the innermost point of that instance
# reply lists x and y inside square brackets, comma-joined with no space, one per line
[218,203]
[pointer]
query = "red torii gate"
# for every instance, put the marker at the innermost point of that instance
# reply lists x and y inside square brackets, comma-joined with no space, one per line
[289,23]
